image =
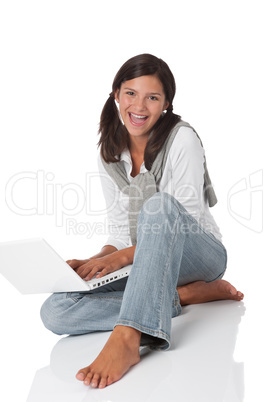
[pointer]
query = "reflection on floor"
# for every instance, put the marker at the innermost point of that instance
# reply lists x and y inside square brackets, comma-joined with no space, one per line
[199,367]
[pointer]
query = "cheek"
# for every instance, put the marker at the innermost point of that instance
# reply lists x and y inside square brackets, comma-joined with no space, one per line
[157,111]
[123,105]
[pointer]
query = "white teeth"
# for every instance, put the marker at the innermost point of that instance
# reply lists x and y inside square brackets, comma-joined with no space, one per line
[138,117]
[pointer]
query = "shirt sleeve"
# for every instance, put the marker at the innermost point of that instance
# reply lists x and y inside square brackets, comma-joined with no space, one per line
[186,164]
[116,209]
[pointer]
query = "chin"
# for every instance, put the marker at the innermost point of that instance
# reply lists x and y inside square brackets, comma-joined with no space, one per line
[138,133]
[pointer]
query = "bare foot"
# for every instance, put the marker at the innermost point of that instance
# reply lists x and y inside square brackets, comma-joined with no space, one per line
[202,292]
[118,355]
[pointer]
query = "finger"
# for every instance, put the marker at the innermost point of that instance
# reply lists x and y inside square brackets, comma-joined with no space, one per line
[84,268]
[92,273]
[73,263]
[104,272]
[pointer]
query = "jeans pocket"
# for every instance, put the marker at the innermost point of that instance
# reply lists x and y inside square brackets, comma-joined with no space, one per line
[75,296]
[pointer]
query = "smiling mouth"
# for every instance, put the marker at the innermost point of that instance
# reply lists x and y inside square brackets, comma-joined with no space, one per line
[137,120]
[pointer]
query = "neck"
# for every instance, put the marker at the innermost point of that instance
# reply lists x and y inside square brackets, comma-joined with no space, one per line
[137,145]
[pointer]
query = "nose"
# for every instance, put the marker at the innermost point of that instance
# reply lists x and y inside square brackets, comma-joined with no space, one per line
[140,103]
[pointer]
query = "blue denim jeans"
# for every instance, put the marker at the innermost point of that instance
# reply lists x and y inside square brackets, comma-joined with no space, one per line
[172,250]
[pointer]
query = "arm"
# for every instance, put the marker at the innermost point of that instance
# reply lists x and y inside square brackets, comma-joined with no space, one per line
[115,254]
[186,162]
[116,210]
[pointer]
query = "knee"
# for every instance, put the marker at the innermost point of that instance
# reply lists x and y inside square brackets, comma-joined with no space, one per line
[51,314]
[160,204]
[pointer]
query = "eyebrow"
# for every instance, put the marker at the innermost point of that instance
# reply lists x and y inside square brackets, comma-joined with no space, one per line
[150,93]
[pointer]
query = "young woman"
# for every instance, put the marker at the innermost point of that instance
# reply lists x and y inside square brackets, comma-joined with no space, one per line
[158,193]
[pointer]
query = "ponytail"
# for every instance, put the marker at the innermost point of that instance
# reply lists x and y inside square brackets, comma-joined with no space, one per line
[114,137]
[160,133]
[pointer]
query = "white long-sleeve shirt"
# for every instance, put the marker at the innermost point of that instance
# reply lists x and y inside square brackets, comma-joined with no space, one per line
[183,178]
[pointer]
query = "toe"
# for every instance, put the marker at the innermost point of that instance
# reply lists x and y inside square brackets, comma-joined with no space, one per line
[84,375]
[88,378]
[240,295]
[95,381]
[80,376]
[232,289]
[103,382]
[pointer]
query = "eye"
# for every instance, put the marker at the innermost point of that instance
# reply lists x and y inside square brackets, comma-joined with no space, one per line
[153,98]
[131,93]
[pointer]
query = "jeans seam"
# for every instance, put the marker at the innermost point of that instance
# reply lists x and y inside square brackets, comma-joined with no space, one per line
[156,333]
[167,264]
[76,300]
[183,211]
[176,304]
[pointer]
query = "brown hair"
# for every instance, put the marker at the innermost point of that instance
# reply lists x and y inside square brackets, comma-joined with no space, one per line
[114,136]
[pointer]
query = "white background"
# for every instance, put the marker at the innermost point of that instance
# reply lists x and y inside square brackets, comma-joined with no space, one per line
[58,61]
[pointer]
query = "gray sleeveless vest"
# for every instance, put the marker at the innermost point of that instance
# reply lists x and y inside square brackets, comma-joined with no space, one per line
[143,186]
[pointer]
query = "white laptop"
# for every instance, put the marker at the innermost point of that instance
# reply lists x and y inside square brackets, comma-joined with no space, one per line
[32,266]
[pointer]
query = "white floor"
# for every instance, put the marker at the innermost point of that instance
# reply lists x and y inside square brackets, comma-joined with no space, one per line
[217,354]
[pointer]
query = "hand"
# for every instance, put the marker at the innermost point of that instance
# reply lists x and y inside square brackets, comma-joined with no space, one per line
[86,269]
[77,263]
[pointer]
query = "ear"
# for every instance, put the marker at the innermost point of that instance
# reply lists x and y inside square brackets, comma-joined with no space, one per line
[116,95]
[166,105]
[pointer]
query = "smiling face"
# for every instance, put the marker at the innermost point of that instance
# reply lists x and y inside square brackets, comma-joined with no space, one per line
[141,103]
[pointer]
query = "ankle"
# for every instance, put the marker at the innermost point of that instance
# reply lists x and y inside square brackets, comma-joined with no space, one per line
[183,295]
[187,293]
[128,334]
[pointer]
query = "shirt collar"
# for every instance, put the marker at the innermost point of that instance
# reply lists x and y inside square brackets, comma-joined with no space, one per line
[126,157]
